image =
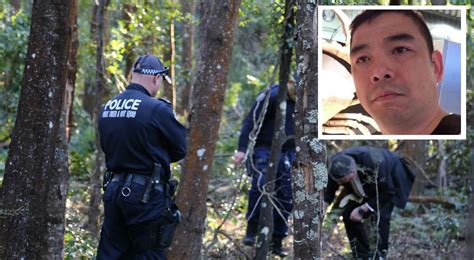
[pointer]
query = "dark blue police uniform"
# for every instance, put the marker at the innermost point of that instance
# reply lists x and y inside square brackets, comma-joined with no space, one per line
[136,131]
[261,157]
[394,182]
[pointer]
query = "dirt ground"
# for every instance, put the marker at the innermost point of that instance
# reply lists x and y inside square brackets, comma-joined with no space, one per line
[418,232]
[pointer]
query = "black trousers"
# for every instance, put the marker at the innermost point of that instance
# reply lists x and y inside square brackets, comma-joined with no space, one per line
[358,235]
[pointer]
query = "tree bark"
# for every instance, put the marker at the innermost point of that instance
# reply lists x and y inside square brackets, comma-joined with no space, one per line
[16,4]
[169,90]
[188,9]
[89,95]
[416,149]
[71,73]
[470,225]
[216,34]
[310,174]
[442,171]
[35,182]
[279,135]
[99,168]
[129,53]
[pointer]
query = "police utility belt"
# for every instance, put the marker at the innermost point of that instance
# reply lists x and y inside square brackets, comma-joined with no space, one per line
[154,181]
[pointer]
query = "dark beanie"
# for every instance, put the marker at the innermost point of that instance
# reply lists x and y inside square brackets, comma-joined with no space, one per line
[341,165]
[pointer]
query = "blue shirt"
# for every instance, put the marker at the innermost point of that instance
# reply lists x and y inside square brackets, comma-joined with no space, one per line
[137,130]
[265,136]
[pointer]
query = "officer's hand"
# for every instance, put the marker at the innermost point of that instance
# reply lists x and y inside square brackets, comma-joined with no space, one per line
[356,215]
[238,158]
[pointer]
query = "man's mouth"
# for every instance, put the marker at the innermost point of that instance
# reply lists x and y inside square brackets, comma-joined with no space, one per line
[386,95]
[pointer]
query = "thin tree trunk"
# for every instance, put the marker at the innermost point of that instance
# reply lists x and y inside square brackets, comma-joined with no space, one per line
[89,96]
[188,9]
[169,90]
[416,149]
[442,174]
[310,174]
[94,203]
[71,74]
[470,225]
[16,4]
[35,181]
[129,53]
[216,30]
[279,135]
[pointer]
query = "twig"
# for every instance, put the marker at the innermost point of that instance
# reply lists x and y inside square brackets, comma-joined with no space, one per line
[235,243]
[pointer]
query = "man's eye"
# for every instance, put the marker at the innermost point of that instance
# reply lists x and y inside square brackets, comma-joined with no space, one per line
[400,50]
[362,59]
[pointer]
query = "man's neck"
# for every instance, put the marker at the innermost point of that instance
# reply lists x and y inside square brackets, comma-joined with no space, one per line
[417,127]
[146,85]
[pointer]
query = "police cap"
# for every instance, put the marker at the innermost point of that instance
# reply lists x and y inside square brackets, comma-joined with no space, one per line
[151,65]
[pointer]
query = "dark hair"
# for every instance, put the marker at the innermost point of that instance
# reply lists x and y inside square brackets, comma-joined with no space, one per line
[415,16]
[341,165]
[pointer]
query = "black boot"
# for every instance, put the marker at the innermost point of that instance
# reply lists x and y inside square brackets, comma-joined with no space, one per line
[250,233]
[277,248]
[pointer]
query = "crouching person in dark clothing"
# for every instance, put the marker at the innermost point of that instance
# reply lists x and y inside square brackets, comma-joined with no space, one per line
[373,180]
[140,137]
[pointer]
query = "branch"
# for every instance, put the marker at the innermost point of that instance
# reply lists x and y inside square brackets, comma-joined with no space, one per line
[432,200]
[419,168]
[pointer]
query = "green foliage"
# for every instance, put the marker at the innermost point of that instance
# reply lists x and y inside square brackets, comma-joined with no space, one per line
[14,31]
[81,146]
[78,243]
[435,225]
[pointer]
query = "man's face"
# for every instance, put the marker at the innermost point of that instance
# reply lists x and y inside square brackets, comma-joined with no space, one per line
[395,76]
[347,178]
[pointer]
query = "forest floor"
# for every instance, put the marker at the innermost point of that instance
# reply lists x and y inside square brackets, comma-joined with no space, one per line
[418,232]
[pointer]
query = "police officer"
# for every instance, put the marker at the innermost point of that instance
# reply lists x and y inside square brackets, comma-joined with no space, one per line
[374,180]
[140,137]
[261,157]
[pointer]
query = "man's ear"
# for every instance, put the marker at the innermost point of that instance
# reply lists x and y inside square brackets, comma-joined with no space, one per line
[437,59]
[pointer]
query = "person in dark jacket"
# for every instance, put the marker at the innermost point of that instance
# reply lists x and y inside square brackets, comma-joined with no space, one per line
[140,137]
[374,180]
[261,157]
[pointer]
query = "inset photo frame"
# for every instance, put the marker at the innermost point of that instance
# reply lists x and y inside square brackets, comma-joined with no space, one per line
[392,72]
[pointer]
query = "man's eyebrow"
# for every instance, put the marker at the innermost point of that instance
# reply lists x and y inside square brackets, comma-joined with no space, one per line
[400,37]
[358,48]
[391,38]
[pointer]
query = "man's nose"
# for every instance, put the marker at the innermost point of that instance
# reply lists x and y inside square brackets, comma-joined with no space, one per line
[381,72]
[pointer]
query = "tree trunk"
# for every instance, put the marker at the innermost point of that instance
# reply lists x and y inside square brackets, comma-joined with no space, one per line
[310,174]
[71,74]
[442,174]
[169,90]
[16,4]
[470,225]
[216,34]
[188,8]
[89,96]
[279,135]
[129,53]
[416,149]
[94,203]
[35,182]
